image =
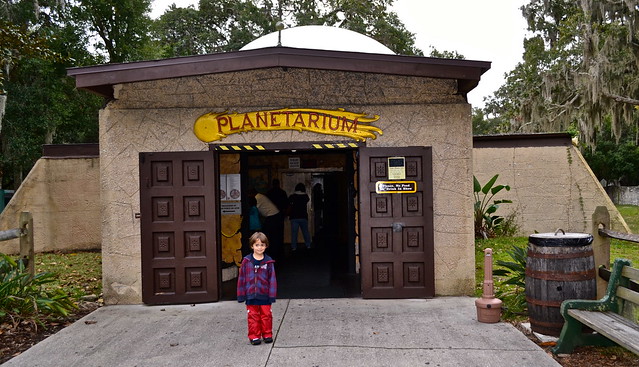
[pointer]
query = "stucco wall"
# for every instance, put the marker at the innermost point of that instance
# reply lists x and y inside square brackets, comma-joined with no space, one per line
[551,187]
[623,195]
[62,195]
[159,115]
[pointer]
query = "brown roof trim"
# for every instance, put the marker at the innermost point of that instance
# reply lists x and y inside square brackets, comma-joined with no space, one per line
[70,151]
[522,140]
[100,79]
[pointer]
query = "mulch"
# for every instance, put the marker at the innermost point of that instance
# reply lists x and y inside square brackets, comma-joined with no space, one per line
[587,356]
[15,339]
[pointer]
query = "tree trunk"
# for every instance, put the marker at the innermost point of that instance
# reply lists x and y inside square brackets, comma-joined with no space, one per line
[3,104]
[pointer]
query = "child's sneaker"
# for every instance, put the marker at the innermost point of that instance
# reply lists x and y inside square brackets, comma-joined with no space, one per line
[256,341]
[268,340]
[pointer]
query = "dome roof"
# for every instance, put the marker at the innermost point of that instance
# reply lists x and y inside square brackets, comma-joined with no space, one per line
[321,38]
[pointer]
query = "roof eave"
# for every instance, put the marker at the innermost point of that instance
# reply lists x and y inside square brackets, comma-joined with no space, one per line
[100,79]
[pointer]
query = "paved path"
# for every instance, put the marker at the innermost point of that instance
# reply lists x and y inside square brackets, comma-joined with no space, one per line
[309,332]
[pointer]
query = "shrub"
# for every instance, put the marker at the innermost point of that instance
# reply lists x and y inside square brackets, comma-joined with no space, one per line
[485,221]
[508,227]
[513,290]
[23,297]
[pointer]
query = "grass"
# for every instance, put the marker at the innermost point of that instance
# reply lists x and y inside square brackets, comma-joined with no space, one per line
[625,249]
[631,214]
[79,273]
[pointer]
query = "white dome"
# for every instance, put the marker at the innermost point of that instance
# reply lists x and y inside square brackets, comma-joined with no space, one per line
[321,38]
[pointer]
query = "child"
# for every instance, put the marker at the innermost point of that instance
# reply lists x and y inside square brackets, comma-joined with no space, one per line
[257,286]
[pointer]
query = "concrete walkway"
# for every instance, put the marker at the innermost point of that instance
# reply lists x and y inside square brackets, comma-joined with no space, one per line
[308,332]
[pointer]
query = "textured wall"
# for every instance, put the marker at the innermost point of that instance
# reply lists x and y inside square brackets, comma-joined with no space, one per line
[62,195]
[159,115]
[624,195]
[551,187]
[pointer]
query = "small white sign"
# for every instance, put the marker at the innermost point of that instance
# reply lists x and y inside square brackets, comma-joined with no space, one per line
[294,162]
[231,207]
[396,168]
[233,187]
[223,190]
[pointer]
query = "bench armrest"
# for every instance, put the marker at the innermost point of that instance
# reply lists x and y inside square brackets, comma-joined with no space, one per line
[609,300]
[601,305]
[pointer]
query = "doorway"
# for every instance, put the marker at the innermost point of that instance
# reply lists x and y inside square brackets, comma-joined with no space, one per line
[328,269]
[369,240]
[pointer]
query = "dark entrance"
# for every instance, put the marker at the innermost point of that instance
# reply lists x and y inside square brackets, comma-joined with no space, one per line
[179,227]
[327,270]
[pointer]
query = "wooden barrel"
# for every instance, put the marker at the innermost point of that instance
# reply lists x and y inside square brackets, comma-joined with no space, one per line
[559,266]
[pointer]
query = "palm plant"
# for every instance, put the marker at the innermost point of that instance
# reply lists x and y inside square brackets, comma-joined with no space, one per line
[24,297]
[513,289]
[486,222]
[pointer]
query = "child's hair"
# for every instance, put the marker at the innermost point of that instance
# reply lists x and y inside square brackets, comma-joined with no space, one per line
[258,236]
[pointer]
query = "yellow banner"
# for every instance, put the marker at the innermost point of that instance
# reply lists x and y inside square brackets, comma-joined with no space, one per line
[215,126]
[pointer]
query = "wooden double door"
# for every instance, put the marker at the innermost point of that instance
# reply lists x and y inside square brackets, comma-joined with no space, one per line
[180,239]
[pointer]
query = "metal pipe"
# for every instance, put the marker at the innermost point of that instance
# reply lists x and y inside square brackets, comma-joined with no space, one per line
[10,234]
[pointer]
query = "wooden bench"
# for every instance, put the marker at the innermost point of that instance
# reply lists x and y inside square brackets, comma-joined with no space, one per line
[613,317]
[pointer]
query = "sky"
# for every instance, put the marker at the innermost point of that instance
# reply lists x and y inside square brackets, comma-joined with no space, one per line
[484,30]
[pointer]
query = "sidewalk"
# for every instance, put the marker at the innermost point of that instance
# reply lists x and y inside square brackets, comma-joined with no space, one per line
[308,332]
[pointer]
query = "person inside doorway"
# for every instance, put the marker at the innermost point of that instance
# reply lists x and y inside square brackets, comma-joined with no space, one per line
[298,215]
[272,225]
[255,223]
[278,196]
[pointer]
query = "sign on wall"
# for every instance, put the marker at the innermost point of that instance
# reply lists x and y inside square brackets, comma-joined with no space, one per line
[395,187]
[230,194]
[218,125]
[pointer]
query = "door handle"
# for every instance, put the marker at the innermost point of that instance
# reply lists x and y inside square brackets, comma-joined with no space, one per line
[397,227]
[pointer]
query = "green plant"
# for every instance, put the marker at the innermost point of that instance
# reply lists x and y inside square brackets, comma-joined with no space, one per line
[23,296]
[508,227]
[485,221]
[512,290]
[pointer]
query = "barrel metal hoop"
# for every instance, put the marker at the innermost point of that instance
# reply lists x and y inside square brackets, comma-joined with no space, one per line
[539,302]
[559,276]
[574,255]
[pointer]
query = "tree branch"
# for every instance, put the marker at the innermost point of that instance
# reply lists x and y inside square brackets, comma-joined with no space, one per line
[617,98]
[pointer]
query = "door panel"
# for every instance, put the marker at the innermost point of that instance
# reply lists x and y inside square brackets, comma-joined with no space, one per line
[178,227]
[396,230]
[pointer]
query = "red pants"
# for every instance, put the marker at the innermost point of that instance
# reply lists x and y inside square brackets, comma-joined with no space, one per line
[260,321]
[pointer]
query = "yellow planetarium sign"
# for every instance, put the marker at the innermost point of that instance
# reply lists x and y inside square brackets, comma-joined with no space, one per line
[216,126]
